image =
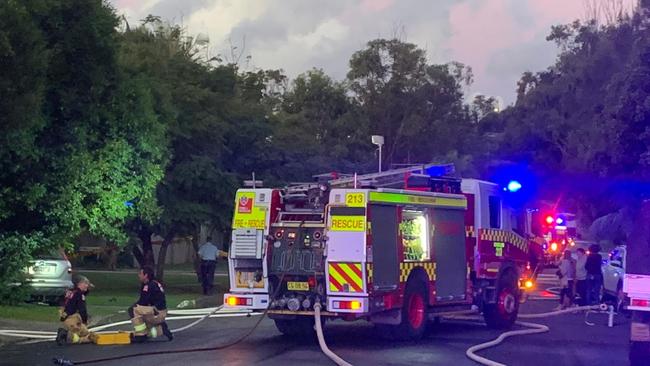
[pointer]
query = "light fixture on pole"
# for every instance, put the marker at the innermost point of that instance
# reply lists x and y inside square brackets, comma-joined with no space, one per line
[379,141]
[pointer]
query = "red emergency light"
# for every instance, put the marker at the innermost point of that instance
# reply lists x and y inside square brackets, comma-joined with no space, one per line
[549,220]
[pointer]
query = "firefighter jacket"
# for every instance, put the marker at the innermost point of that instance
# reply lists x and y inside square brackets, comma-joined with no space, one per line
[75,302]
[152,294]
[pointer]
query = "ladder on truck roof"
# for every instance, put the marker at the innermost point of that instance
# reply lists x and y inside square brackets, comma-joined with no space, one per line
[304,204]
[395,177]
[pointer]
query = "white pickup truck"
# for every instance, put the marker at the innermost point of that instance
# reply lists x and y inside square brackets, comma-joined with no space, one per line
[637,288]
[614,273]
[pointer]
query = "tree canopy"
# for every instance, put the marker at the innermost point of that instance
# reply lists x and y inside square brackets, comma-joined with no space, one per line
[129,131]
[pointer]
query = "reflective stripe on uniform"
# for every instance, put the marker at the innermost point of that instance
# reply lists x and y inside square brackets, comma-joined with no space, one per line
[75,338]
[153,333]
[140,327]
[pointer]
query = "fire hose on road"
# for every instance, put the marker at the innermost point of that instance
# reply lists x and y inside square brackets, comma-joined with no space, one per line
[321,340]
[534,328]
[202,314]
[199,314]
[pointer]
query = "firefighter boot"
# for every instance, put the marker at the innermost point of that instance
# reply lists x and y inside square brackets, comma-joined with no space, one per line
[168,333]
[61,336]
[138,338]
[92,337]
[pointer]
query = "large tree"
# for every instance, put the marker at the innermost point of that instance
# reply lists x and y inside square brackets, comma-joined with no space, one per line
[79,138]
[217,133]
[586,118]
[318,129]
[418,107]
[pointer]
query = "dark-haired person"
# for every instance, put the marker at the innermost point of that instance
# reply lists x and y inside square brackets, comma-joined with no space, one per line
[149,312]
[594,275]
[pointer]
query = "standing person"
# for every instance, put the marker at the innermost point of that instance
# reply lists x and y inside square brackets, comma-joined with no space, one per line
[208,253]
[149,312]
[581,276]
[593,266]
[567,274]
[74,315]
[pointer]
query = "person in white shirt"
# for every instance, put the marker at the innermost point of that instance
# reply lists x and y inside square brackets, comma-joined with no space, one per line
[208,253]
[581,276]
[567,274]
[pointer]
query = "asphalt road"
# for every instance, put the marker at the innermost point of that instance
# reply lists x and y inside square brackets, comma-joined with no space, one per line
[570,342]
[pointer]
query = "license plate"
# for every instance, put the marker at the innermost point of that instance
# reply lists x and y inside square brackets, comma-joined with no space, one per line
[298,286]
[44,269]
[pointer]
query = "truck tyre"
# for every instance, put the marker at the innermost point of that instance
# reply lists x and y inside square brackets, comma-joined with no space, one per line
[302,326]
[503,313]
[414,312]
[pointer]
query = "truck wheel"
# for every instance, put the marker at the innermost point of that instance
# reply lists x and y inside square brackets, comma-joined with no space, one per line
[302,326]
[414,312]
[503,313]
[622,301]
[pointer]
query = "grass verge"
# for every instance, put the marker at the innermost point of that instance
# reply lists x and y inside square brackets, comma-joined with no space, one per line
[115,292]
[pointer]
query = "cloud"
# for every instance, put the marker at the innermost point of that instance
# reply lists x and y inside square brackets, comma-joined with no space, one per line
[499,39]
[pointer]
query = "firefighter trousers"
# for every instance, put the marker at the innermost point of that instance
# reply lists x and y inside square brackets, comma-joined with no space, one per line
[77,330]
[147,320]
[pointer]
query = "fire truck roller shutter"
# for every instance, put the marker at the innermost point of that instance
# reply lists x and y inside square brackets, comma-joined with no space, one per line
[450,253]
[384,236]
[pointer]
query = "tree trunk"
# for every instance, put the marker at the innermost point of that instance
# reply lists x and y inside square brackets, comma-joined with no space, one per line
[195,245]
[162,255]
[145,255]
[111,253]
[137,253]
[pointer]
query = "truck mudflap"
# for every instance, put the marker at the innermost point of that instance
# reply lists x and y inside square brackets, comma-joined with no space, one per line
[245,301]
[348,305]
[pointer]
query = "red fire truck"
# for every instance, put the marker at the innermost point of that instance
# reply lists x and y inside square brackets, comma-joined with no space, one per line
[395,248]
[557,232]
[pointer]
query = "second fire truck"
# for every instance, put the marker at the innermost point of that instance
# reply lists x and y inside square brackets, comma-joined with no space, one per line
[394,248]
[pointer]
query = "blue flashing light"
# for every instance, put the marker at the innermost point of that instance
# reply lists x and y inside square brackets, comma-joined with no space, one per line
[559,221]
[128,204]
[440,170]
[514,186]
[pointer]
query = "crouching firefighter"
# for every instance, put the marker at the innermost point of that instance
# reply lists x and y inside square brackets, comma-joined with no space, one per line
[149,313]
[74,315]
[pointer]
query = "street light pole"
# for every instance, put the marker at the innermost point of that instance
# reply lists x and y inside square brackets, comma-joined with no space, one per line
[379,141]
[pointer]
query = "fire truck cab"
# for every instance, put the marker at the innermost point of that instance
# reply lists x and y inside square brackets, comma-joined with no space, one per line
[417,247]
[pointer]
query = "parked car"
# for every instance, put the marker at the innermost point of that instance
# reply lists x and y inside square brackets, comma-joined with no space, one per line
[50,275]
[613,274]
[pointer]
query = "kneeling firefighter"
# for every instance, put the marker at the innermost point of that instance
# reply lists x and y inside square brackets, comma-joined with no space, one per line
[74,315]
[149,312]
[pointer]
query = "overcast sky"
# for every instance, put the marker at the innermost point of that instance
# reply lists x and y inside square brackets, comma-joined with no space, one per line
[499,39]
